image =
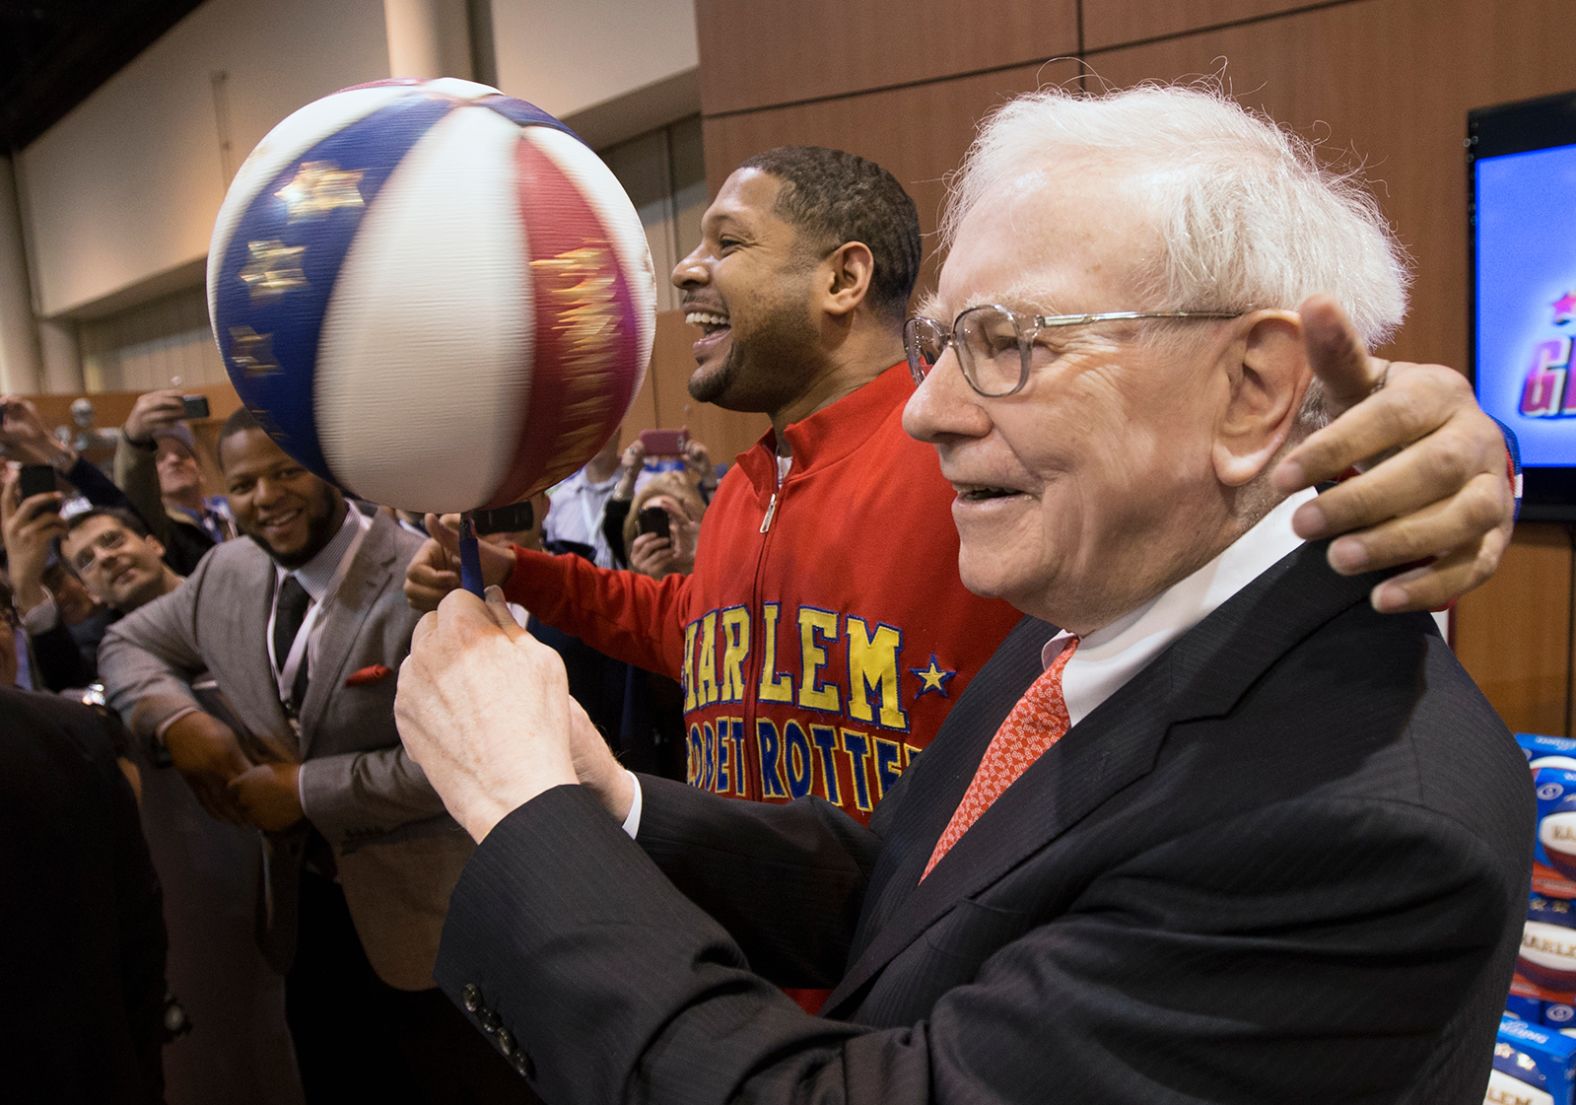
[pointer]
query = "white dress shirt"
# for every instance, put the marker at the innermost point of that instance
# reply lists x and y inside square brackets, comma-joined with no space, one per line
[1110,656]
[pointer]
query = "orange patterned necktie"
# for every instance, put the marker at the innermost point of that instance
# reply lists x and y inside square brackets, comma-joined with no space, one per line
[1036,722]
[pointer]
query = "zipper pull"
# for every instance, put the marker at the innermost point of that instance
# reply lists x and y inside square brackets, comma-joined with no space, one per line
[771,512]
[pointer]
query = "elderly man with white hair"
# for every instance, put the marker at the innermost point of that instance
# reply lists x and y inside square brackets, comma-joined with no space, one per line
[1206,828]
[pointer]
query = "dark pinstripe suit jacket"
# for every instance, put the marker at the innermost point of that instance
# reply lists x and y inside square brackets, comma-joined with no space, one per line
[1285,863]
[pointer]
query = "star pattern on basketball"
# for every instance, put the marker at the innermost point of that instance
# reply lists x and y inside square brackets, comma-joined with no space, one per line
[274,269]
[1036,722]
[251,352]
[319,187]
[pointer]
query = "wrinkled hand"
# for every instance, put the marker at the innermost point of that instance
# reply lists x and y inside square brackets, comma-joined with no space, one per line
[26,438]
[435,569]
[29,527]
[485,710]
[206,753]
[152,411]
[269,795]
[1434,486]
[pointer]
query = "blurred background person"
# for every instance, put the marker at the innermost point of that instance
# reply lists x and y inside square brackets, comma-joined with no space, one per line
[156,466]
[236,1047]
[576,515]
[83,959]
[663,526]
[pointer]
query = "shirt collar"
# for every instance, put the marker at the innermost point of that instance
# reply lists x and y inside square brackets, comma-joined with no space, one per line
[1113,654]
[316,574]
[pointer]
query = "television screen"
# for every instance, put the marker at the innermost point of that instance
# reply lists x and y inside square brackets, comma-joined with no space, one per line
[1523,182]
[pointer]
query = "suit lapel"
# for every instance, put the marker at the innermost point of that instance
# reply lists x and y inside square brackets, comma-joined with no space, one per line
[1202,674]
[347,611]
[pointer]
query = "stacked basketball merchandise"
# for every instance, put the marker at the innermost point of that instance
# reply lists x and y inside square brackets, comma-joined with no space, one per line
[1535,1056]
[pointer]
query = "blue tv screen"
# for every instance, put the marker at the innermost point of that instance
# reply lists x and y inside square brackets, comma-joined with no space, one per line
[1523,184]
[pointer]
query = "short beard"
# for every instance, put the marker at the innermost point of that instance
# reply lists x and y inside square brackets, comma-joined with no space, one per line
[710,388]
[321,528]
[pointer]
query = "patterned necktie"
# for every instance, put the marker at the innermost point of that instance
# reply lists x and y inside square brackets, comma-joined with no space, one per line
[289,613]
[1036,722]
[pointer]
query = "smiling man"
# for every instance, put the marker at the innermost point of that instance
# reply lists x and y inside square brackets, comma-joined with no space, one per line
[301,627]
[824,635]
[1227,836]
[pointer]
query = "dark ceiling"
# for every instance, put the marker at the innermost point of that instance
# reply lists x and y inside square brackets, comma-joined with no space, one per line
[54,53]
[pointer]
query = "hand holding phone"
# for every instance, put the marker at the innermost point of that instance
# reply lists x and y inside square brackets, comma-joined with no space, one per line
[653,519]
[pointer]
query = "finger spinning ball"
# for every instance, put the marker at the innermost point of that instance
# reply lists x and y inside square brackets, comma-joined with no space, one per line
[431,294]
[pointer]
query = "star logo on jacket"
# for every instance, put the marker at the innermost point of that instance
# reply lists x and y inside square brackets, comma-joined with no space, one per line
[933,677]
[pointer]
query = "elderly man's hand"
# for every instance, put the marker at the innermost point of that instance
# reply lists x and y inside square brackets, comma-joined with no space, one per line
[1434,487]
[485,710]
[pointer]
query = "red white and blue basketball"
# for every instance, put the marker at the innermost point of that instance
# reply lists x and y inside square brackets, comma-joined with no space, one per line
[1547,959]
[431,294]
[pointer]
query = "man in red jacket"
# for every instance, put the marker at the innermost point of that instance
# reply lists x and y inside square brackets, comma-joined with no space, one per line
[824,633]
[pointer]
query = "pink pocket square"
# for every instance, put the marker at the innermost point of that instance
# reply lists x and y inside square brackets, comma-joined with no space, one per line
[367,675]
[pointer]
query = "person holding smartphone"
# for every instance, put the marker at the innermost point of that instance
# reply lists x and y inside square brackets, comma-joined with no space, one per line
[156,464]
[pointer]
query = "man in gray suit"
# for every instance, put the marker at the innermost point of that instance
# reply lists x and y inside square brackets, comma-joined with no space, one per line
[301,628]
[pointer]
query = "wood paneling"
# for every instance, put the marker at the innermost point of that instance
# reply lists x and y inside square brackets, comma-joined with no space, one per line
[759,52]
[1110,23]
[1513,634]
[940,119]
[1367,77]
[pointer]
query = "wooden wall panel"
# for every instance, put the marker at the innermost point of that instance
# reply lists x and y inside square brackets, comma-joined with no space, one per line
[1108,23]
[918,134]
[1368,77]
[759,52]
[1513,633]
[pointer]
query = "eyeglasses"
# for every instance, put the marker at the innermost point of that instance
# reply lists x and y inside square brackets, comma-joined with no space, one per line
[111,539]
[994,344]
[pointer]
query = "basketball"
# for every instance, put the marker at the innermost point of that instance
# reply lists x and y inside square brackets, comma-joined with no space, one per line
[431,294]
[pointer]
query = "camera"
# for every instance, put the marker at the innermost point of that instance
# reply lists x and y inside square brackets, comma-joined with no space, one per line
[196,406]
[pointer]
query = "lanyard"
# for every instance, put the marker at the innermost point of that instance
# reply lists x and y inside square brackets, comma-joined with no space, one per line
[285,673]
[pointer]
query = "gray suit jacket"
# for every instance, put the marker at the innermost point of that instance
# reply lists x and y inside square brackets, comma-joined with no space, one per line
[397,851]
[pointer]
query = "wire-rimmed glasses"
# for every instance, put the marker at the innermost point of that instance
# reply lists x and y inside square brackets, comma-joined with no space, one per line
[994,344]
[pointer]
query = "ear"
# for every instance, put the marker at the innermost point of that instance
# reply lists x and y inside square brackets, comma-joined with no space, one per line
[848,270]
[1267,370]
[155,544]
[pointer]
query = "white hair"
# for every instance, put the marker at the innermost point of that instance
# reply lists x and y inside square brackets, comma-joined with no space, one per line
[1246,215]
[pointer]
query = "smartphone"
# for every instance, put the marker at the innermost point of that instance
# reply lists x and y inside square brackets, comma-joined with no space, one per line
[664,443]
[196,406]
[505,519]
[37,479]
[652,519]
